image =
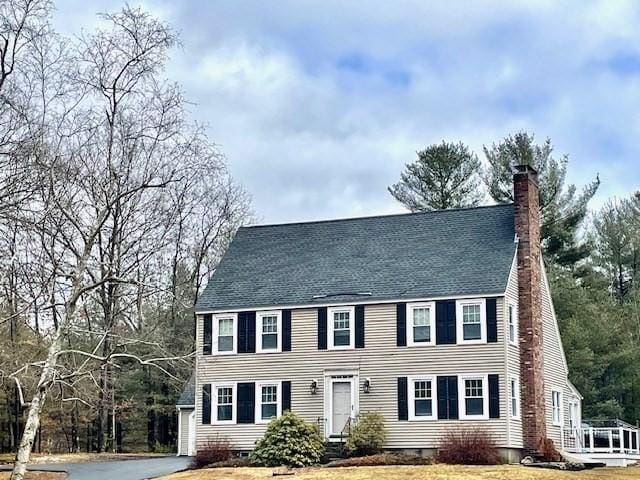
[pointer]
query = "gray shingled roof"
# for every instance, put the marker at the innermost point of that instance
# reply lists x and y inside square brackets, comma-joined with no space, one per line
[188,396]
[418,255]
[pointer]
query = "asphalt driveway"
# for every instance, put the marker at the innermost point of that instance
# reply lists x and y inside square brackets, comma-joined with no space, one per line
[119,469]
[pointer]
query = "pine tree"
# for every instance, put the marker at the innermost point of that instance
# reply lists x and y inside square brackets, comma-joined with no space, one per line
[445,175]
[563,208]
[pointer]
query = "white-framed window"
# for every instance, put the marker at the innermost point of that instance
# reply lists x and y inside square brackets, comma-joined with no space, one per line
[269,330]
[474,397]
[341,327]
[514,398]
[225,334]
[421,323]
[471,321]
[224,408]
[556,407]
[423,398]
[268,400]
[512,324]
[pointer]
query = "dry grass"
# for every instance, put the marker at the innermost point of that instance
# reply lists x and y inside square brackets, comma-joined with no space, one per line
[431,472]
[37,476]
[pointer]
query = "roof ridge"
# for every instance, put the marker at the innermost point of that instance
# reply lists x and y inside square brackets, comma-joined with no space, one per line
[366,217]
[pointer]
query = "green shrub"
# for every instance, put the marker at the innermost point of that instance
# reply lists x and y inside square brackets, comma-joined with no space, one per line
[368,434]
[289,441]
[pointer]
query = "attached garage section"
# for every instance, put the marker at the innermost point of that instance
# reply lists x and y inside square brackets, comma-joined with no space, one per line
[187,420]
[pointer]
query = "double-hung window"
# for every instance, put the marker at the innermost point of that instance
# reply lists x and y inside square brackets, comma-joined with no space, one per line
[556,407]
[514,398]
[512,324]
[341,327]
[422,398]
[471,321]
[269,331]
[474,397]
[225,398]
[268,401]
[421,329]
[225,329]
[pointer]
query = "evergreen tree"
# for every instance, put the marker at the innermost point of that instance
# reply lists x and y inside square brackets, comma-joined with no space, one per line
[562,207]
[445,175]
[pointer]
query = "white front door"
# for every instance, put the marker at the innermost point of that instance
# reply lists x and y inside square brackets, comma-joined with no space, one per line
[191,451]
[341,405]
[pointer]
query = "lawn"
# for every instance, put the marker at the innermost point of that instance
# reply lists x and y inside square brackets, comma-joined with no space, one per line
[36,476]
[430,472]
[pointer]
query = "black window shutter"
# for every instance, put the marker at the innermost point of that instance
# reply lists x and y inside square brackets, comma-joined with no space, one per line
[242,333]
[247,332]
[448,398]
[453,397]
[492,320]
[443,398]
[403,407]
[286,330]
[322,328]
[208,334]
[246,403]
[494,397]
[401,324]
[445,322]
[359,326]
[286,395]
[206,404]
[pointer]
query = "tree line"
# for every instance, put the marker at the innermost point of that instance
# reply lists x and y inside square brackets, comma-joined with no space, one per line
[115,208]
[592,257]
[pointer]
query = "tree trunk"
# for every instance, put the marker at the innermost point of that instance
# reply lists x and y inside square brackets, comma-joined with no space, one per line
[37,402]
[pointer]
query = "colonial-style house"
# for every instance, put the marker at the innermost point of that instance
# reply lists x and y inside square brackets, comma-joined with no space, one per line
[437,320]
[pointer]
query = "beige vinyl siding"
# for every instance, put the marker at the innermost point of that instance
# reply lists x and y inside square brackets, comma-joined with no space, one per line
[555,371]
[381,361]
[513,354]
[184,413]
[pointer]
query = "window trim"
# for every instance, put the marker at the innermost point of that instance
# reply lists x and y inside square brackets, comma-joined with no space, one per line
[268,313]
[411,398]
[560,420]
[215,329]
[460,304]
[234,402]
[352,330]
[462,396]
[514,394]
[432,323]
[514,341]
[258,399]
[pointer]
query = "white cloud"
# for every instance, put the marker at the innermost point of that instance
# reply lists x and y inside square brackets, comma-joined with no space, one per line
[318,105]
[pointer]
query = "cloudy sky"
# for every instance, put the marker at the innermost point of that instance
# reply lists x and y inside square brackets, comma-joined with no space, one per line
[319,104]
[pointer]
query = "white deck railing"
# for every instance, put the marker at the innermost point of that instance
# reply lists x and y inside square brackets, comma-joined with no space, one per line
[623,439]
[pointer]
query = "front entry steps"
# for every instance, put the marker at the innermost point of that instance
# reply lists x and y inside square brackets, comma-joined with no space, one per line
[334,450]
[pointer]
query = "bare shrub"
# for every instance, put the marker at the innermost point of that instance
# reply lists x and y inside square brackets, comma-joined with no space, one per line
[468,446]
[215,450]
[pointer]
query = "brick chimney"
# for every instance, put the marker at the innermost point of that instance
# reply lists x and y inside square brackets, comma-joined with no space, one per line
[527,227]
